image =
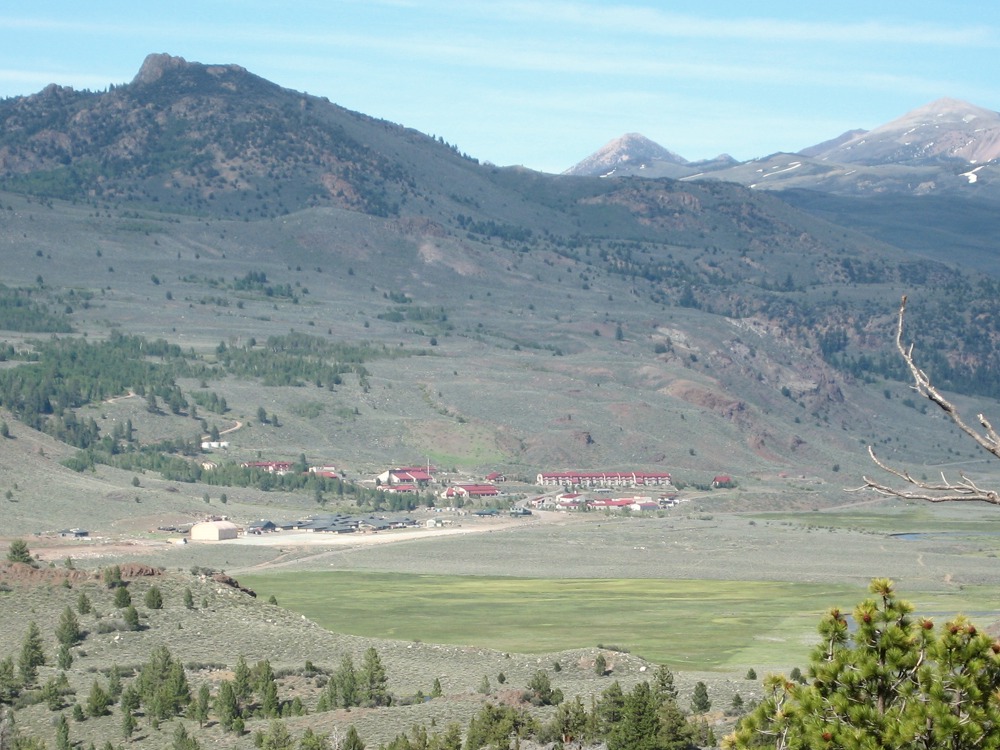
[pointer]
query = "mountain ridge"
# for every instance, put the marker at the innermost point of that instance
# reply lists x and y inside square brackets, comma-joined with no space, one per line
[944,146]
[649,296]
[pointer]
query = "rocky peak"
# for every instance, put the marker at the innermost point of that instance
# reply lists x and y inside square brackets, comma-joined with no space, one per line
[632,149]
[155,65]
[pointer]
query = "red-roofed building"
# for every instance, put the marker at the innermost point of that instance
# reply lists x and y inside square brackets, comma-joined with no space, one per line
[470,490]
[495,476]
[603,478]
[408,475]
[723,481]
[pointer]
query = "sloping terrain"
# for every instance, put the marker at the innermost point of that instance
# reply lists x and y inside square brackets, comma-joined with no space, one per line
[393,302]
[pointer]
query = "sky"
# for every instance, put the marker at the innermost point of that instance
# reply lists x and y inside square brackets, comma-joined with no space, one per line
[545,83]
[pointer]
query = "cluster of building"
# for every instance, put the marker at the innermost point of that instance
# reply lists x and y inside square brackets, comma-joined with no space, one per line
[603,479]
[577,501]
[330,523]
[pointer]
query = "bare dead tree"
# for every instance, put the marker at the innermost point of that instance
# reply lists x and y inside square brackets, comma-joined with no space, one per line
[947,490]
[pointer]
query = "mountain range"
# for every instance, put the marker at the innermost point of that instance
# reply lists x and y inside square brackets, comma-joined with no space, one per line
[523,321]
[945,147]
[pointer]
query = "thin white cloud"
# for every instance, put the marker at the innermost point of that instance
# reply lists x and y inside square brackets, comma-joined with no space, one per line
[650,21]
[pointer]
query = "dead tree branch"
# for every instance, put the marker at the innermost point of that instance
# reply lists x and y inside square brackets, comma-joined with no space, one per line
[947,490]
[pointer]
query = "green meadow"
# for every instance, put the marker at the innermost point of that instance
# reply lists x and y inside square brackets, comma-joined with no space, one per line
[699,625]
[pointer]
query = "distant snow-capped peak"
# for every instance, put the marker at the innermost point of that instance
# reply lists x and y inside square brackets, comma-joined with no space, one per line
[633,150]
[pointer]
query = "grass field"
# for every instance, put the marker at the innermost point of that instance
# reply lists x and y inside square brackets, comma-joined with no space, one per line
[687,624]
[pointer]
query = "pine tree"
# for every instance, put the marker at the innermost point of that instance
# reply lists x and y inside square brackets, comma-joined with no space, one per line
[894,682]
[600,665]
[639,728]
[276,737]
[153,598]
[98,700]
[64,657]
[18,552]
[182,740]
[128,724]
[201,705]
[699,698]
[436,688]
[610,709]
[663,682]
[227,709]
[131,617]
[122,597]
[352,741]
[62,733]
[676,732]
[347,682]
[8,682]
[83,605]
[188,599]
[241,682]
[113,576]
[312,741]
[68,631]
[114,682]
[32,655]
[372,680]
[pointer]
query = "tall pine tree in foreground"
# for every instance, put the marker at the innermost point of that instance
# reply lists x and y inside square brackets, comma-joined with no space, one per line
[896,682]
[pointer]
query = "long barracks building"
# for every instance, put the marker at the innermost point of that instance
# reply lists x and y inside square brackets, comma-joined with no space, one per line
[603,478]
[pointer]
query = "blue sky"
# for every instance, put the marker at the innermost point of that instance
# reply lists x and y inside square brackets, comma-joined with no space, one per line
[546,83]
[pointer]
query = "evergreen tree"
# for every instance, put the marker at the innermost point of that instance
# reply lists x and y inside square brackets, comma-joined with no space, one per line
[699,698]
[153,598]
[639,728]
[130,699]
[64,657]
[201,705]
[83,605]
[227,709]
[541,692]
[131,617]
[663,683]
[277,737]
[113,576]
[18,552]
[182,740]
[600,665]
[62,733]
[676,732]
[372,680]
[312,741]
[894,682]
[610,709]
[98,700]
[114,682]
[51,696]
[436,688]
[347,682]
[8,681]
[32,655]
[68,631]
[570,722]
[128,724]
[162,685]
[122,597]
[241,682]
[451,739]
[188,599]
[352,741]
